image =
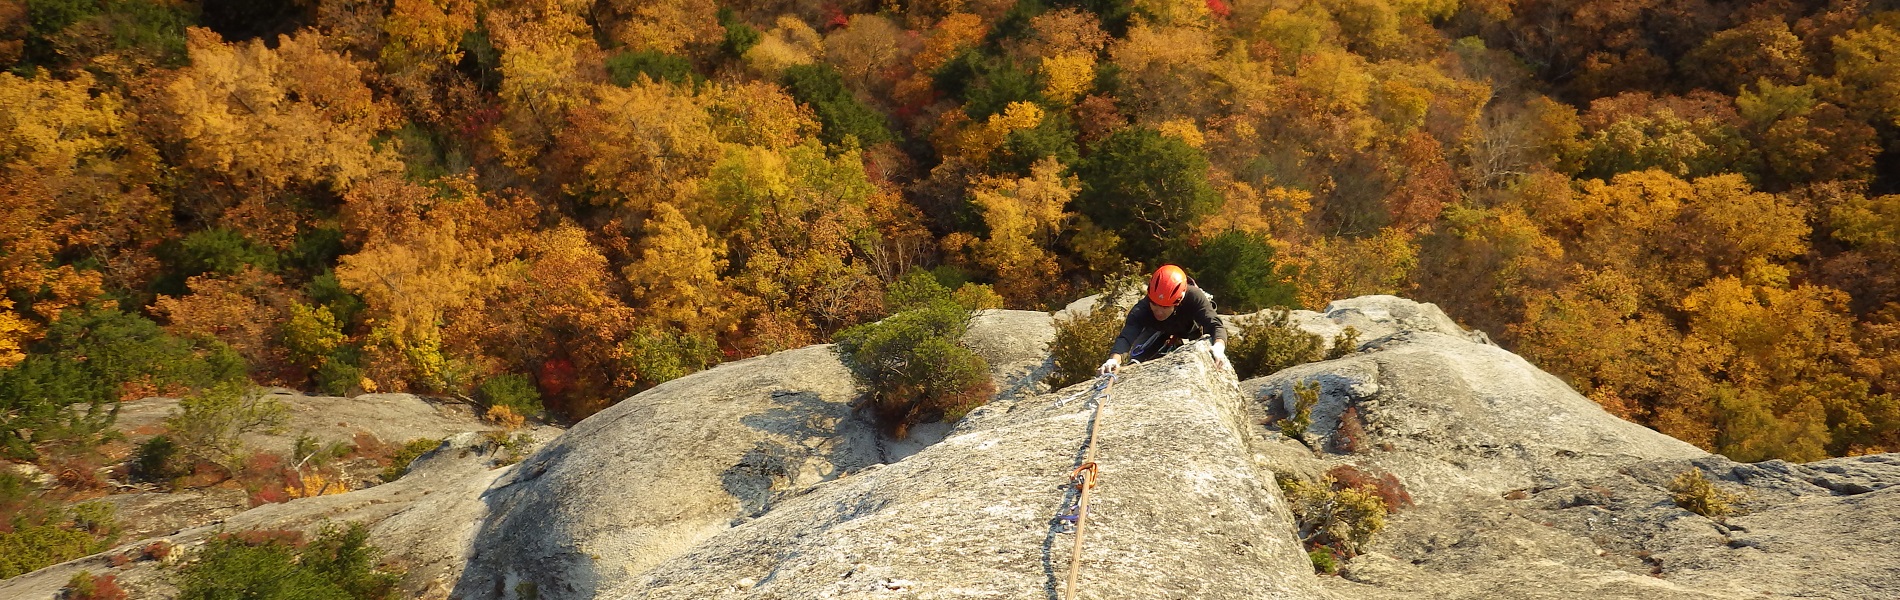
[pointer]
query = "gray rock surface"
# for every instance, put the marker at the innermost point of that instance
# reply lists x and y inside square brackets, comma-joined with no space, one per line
[1181,510]
[1454,417]
[658,473]
[463,463]
[1016,345]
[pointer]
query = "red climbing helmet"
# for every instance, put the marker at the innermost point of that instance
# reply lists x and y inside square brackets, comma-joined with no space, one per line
[1167,286]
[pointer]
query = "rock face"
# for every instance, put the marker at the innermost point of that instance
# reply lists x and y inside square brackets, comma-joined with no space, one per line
[756,480]
[1181,511]
[660,472]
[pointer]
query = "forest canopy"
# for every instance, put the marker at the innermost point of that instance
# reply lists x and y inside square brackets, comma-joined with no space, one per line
[1689,210]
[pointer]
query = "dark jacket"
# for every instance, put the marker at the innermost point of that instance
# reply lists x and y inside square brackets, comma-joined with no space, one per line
[1193,318]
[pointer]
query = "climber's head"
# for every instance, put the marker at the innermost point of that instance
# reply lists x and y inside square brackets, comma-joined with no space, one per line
[1166,288]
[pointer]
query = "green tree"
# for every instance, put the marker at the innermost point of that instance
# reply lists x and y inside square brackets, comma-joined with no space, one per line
[70,385]
[1147,188]
[821,87]
[1237,267]
[914,362]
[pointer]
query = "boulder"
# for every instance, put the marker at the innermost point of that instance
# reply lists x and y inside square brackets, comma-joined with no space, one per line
[662,471]
[1180,512]
[1453,417]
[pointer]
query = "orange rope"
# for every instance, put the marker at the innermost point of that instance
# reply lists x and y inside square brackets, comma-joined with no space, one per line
[1086,474]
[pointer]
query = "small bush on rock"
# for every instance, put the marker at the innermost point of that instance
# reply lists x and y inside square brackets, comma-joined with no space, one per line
[1335,517]
[339,564]
[1306,395]
[1323,561]
[511,390]
[1082,342]
[1695,493]
[84,586]
[1268,341]
[399,463]
[211,424]
[158,461]
[914,363]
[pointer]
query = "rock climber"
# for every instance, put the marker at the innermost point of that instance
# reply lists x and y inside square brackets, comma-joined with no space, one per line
[1175,312]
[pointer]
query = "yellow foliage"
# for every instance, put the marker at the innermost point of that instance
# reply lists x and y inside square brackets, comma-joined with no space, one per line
[315,484]
[790,44]
[638,146]
[1023,217]
[678,266]
[951,36]
[1174,12]
[1348,267]
[670,26]
[1184,130]
[1066,31]
[15,333]
[54,124]
[505,417]
[1069,75]
[426,34]
[978,142]
[271,118]
[1165,72]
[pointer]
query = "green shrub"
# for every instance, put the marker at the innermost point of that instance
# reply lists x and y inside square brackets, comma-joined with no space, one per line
[1334,518]
[211,425]
[839,111]
[1695,493]
[1265,342]
[914,363]
[657,356]
[1082,342]
[1323,561]
[326,291]
[1305,396]
[31,547]
[1238,268]
[1147,188]
[69,385]
[96,518]
[740,37]
[414,449]
[625,68]
[1054,137]
[512,390]
[157,461]
[339,565]
[1347,342]
[217,250]
[37,533]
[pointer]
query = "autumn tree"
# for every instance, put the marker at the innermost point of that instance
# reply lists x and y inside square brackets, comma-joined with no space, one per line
[259,120]
[1023,217]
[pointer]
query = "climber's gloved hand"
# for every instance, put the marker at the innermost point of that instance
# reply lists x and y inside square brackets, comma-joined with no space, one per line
[1111,365]
[1220,355]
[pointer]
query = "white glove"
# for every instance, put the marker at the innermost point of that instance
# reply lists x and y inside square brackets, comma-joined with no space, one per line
[1220,355]
[1110,365]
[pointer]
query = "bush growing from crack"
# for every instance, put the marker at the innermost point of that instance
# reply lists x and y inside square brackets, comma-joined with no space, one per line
[1083,341]
[1337,519]
[1306,395]
[399,462]
[1695,493]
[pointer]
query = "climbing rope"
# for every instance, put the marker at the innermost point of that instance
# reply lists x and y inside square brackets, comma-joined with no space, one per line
[1083,478]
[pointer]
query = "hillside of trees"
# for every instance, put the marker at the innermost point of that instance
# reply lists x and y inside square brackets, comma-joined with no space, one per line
[1690,210]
